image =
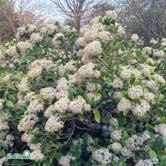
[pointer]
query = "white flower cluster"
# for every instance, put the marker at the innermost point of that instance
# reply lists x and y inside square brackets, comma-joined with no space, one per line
[54,124]
[102,156]
[92,36]
[48,93]
[134,37]
[43,63]
[56,41]
[69,67]
[161,129]
[147,162]
[35,107]
[116,135]
[140,97]
[12,51]
[66,160]
[134,143]
[124,105]
[36,38]
[24,46]
[141,109]
[28,122]
[23,85]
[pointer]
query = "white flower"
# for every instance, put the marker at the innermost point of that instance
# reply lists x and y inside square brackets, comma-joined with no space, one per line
[23,85]
[147,162]
[93,97]
[134,37]
[126,152]
[121,30]
[26,137]
[24,46]
[92,86]
[96,74]
[159,53]
[35,107]
[31,28]
[80,42]
[112,15]
[147,50]
[150,97]
[117,83]
[146,70]
[65,160]
[35,72]
[56,41]
[35,38]
[150,61]
[126,74]
[51,28]
[102,156]
[116,135]
[30,96]
[152,85]
[48,93]
[76,106]
[94,48]
[11,51]
[62,94]
[62,104]
[53,124]
[28,122]
[37,155]
[116,147]
[70,66]
[159,79]
[153,41]
[124,105]
[86,71]
[104,36]
[141,109]
[3,125]
[62,84]
[135,92]
[161,129]
[43,63]
[90,35]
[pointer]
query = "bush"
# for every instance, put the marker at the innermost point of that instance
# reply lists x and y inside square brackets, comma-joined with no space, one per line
[96,99]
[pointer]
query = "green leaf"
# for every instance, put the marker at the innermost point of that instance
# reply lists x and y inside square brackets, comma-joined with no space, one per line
[152,154]
[162,160]
[97,116]
[2,153]
[160,98]
[9,104]
[160,143]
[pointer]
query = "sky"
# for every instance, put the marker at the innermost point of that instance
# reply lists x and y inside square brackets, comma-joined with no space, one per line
[47,10]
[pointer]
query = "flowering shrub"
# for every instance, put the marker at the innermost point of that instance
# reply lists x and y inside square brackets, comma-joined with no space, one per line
[96,99]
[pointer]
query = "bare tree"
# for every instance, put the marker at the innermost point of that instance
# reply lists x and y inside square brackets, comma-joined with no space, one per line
[75,9]
[144,17]
[30,11]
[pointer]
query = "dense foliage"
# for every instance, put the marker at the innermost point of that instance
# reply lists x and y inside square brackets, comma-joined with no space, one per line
[93,99]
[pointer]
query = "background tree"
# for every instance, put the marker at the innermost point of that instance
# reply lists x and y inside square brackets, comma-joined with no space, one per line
[75,9]
[144,17]
[32,11]
[8,20]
